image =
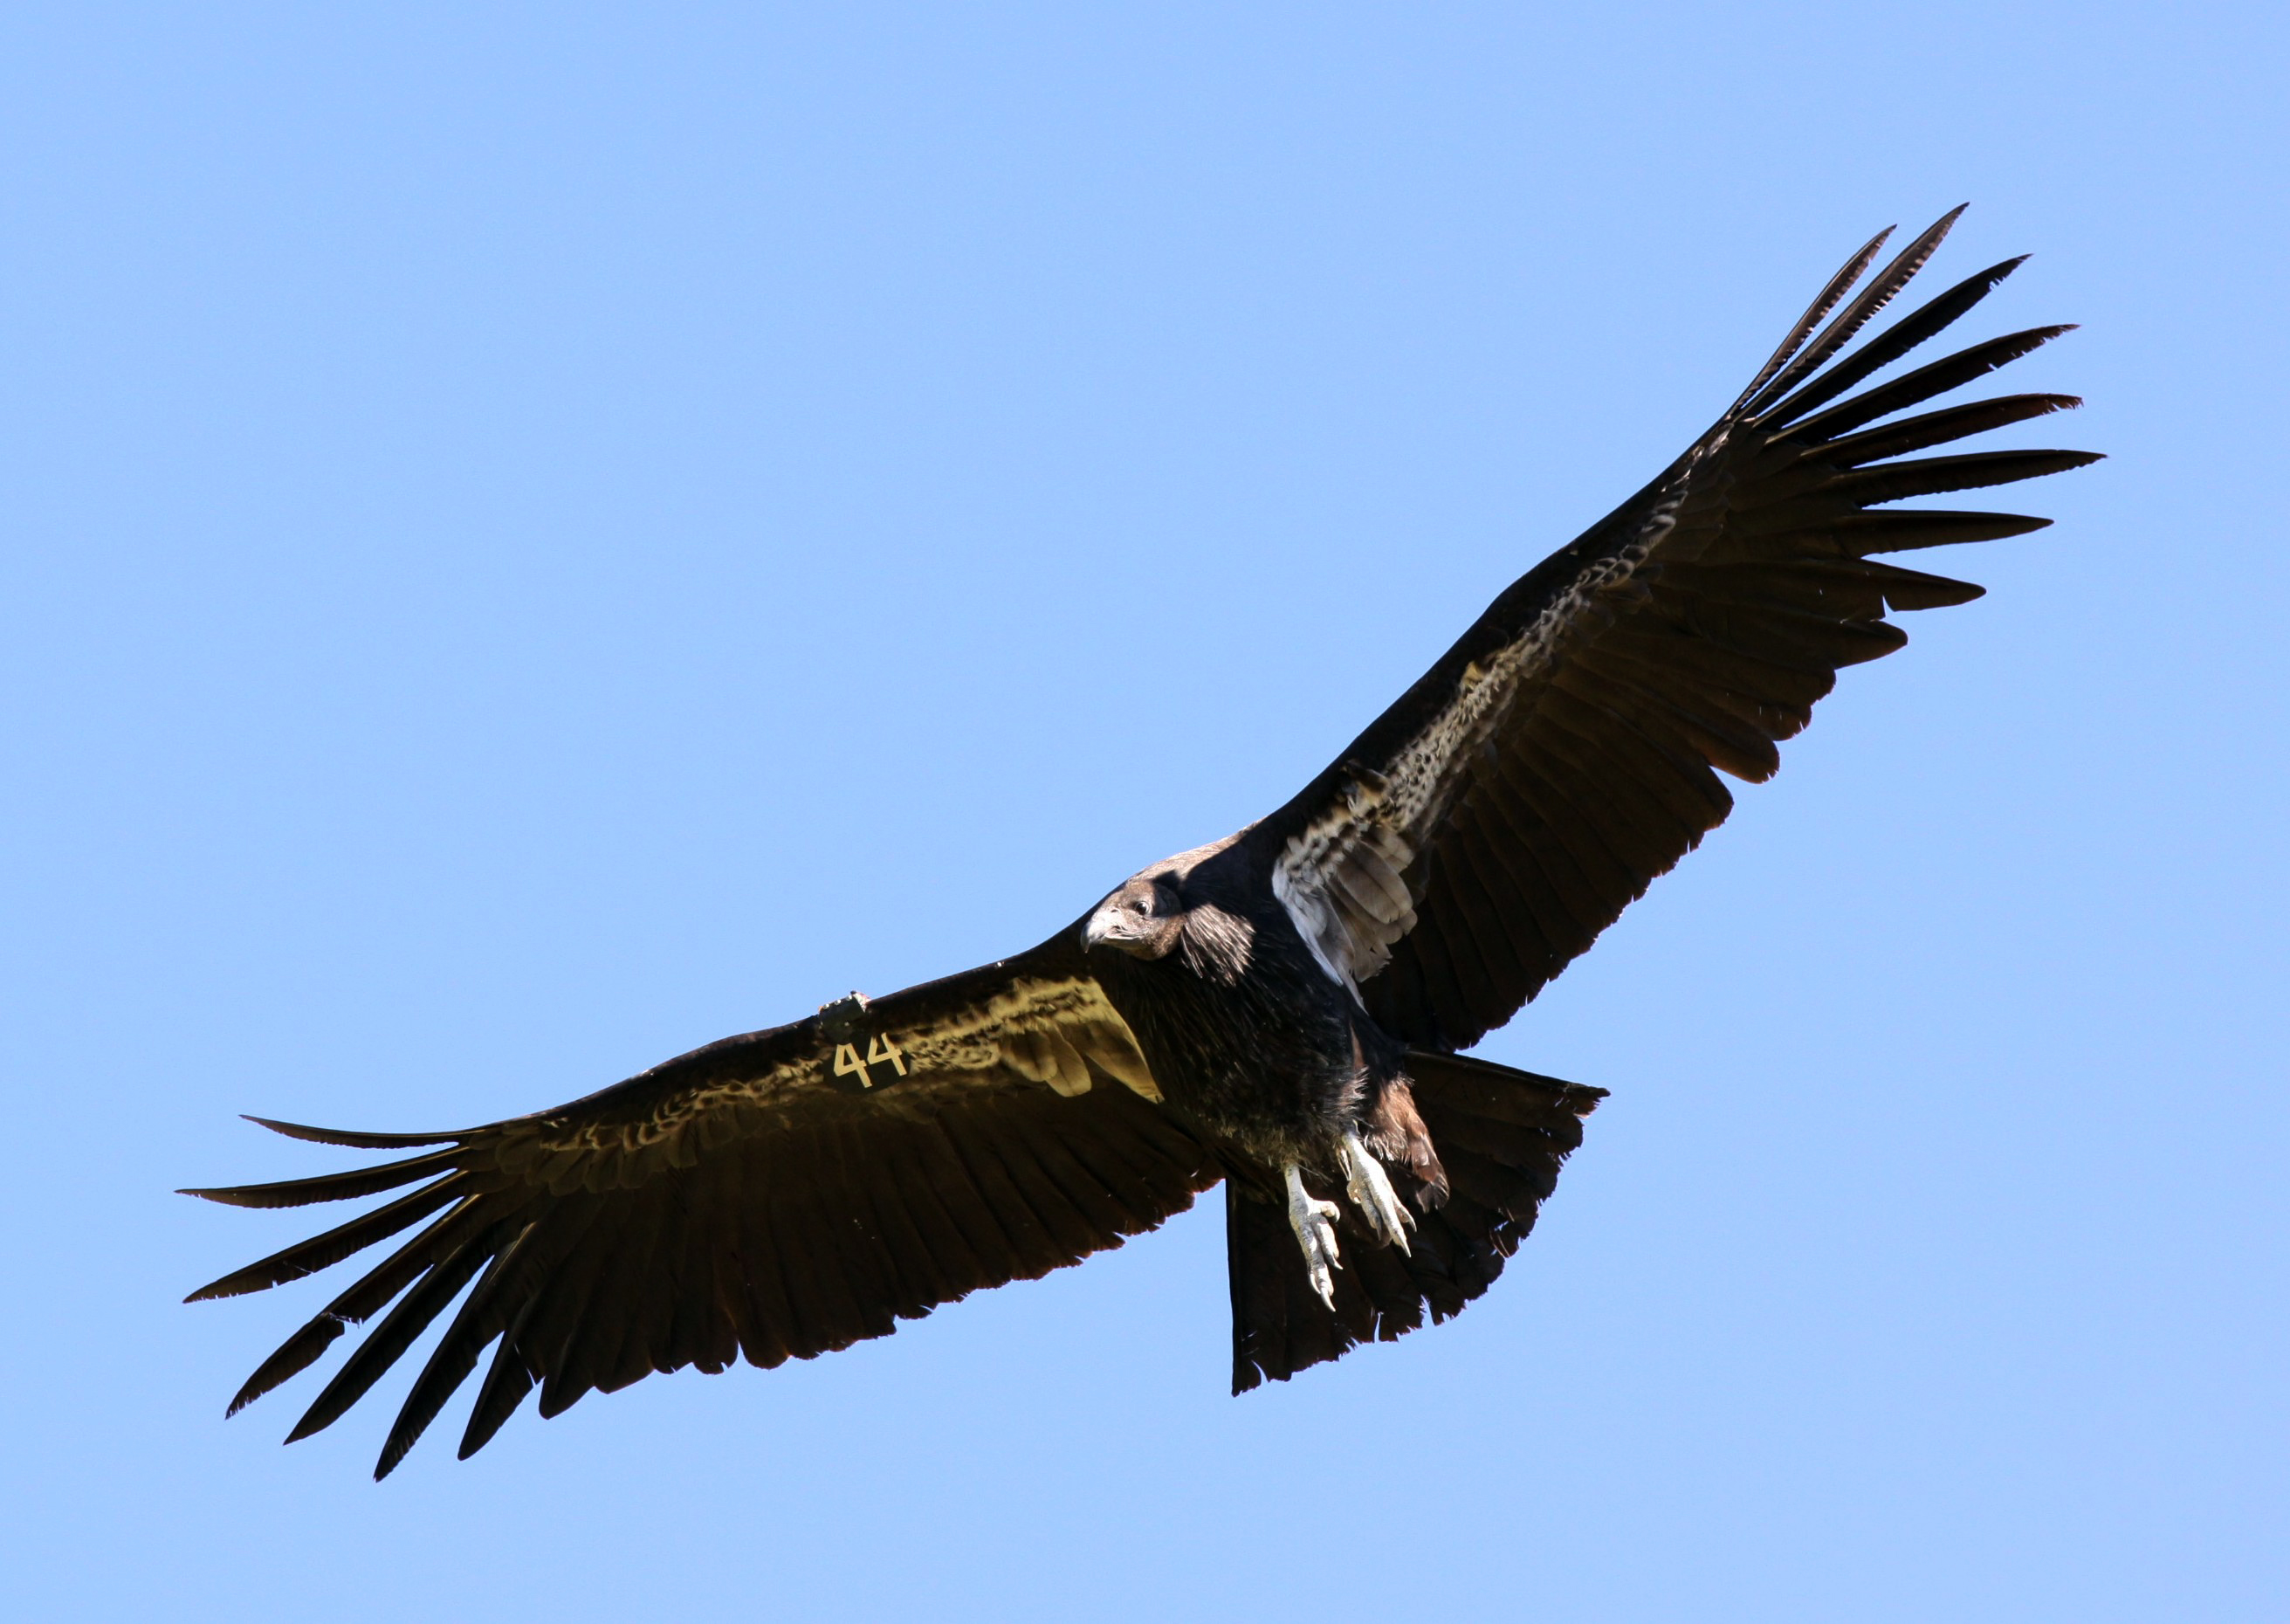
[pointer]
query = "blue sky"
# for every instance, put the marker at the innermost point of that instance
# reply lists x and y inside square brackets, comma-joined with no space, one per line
[542,535]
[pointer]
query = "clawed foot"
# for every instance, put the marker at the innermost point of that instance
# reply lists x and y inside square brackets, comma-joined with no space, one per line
[1370,1191]
[1314,1222]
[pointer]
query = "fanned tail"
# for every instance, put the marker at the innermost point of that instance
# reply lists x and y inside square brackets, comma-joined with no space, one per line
[1501,1134]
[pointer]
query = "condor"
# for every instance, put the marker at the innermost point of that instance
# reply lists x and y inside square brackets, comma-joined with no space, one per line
[1281,1011]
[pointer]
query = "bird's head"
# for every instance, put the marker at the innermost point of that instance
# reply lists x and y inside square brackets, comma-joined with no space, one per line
[1143,918]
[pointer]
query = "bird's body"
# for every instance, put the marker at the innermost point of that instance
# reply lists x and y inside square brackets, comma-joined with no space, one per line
[1281,1009]
[1247,1035]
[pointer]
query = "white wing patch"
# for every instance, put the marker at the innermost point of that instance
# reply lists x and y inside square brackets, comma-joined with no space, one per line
[1340,882]
[1343,879]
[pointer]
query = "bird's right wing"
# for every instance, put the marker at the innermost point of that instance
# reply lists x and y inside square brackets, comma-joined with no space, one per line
[789,1192]
[1483,831]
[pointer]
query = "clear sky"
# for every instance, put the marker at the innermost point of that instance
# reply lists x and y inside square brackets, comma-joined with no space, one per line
[537,536]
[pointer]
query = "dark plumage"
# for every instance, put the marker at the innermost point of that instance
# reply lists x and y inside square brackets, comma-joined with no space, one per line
[1280,1010]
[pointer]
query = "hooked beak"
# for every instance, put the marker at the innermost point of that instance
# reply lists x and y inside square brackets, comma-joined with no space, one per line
[1115,926]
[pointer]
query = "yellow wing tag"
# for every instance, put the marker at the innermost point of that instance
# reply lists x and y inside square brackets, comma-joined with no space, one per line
[880,1051]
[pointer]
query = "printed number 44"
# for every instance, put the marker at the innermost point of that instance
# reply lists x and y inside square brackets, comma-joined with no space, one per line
[880,1051]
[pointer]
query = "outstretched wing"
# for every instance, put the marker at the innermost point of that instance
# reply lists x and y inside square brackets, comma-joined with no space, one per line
[789,1192]
[1485,828]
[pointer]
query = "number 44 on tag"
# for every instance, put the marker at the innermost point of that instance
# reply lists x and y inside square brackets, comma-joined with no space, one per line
[880,1051]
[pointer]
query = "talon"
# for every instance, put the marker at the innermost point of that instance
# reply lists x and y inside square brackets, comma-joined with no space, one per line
[1314,1222]
[1370,1189]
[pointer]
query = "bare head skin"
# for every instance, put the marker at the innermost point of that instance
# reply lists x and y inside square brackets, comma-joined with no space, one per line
[1143,918]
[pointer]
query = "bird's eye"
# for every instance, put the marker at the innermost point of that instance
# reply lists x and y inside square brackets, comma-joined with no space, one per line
[1139,906]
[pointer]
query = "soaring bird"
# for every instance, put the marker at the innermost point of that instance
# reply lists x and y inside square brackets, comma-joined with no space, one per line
[1283,1010]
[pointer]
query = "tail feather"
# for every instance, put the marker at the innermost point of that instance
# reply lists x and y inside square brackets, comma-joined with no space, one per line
[1501,1134]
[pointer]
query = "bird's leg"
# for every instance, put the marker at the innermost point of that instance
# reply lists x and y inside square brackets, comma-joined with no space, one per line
[1316,1233]
[1370,1191]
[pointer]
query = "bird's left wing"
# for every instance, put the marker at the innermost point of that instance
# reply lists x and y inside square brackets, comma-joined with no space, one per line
[1484,829]
[787,1192]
